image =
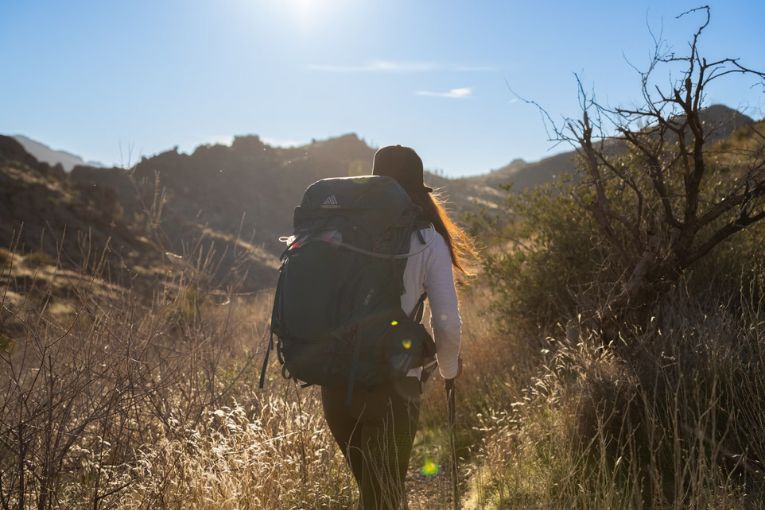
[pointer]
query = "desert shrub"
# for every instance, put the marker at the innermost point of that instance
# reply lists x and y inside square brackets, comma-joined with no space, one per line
[552,253]
[6,344]
[731,267]
[554,266]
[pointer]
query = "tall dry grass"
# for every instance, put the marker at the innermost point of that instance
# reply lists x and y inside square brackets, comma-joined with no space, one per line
[672,419]
[110,401]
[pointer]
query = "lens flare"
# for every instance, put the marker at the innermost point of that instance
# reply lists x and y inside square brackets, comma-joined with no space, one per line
[394,323]
[430,468]
[406,344]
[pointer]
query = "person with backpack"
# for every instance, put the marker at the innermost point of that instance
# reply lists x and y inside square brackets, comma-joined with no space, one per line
[377,430]
[366,253]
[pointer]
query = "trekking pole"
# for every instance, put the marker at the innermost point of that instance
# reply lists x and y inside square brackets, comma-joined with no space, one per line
[451,412]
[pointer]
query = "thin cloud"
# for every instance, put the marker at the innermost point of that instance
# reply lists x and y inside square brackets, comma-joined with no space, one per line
[380,66]
[398,66]
[458,93]
[473,69]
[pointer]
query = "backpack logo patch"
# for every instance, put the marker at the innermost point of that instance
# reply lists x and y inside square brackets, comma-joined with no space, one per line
[330,202]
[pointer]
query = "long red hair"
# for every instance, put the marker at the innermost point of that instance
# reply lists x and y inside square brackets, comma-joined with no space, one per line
[461,247]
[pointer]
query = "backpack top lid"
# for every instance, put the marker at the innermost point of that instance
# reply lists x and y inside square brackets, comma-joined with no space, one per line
[362,192]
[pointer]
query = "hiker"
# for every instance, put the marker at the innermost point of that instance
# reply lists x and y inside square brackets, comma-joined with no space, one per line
[376,428]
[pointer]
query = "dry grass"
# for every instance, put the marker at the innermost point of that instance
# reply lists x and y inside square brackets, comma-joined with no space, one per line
[274,456]
[110,402]
[674,422]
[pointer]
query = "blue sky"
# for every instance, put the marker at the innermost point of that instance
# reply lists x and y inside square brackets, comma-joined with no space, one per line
[114,80]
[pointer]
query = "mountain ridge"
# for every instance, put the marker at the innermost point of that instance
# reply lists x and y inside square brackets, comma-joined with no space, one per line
[524,175]
[234,200]
[46,154]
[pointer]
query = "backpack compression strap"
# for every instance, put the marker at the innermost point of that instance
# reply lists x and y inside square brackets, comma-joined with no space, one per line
[385,255]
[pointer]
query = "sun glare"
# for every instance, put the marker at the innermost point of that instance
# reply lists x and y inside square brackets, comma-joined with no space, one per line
[311,12]
[303,13]
[304,7]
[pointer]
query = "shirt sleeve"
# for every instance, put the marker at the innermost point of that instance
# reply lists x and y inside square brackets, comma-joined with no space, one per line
[445,318]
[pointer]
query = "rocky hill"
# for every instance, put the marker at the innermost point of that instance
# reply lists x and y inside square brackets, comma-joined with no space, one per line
[49,217]
[248,189]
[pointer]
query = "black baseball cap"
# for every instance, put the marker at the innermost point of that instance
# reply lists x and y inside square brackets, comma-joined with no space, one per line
[403,164]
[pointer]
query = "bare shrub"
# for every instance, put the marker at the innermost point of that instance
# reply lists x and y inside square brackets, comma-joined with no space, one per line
[124,403]
[660,192]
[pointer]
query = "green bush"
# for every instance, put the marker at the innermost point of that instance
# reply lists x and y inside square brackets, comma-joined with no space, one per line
[552,265]
[551,260]
[732,265]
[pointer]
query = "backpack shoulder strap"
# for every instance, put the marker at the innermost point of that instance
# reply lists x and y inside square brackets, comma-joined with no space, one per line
[419,308]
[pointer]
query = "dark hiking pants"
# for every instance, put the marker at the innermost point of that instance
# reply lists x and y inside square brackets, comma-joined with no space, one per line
[376,433]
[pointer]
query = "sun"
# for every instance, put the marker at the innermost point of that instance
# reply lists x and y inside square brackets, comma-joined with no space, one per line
[312,12]
[304,7]
[304,15]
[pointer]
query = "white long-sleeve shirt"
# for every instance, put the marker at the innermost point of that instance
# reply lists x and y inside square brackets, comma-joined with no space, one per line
[430,271]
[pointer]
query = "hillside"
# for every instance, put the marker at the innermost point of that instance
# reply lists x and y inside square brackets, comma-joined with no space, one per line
[231,203]
[722,121]
[43,212]
[53,157]
[55,219]
[247,190]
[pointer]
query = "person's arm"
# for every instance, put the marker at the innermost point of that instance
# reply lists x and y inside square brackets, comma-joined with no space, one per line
[444,309]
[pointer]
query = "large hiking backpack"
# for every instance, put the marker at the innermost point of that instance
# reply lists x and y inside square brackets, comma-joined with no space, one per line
[337,312]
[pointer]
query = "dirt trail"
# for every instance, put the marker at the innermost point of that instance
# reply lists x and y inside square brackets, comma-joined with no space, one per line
[429,492]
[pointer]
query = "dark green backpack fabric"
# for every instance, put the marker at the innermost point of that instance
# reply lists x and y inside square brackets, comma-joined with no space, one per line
[337,312]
